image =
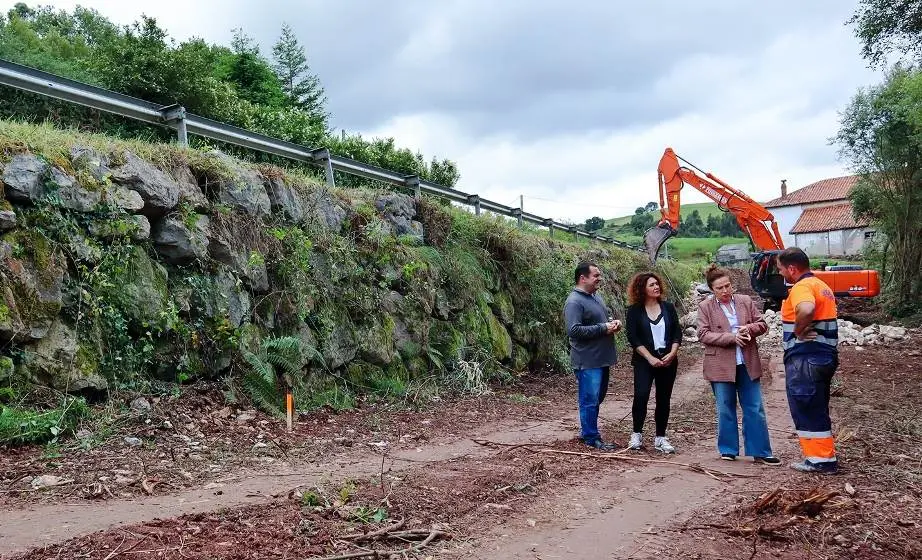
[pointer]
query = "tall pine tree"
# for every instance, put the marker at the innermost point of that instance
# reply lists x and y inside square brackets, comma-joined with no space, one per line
[302,88]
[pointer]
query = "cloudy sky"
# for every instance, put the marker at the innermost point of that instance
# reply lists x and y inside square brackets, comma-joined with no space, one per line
[569,106]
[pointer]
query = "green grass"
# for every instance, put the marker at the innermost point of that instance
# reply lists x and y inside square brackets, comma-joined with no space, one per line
[689,249]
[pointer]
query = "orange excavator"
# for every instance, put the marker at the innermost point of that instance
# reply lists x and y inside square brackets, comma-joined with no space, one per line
[758,223]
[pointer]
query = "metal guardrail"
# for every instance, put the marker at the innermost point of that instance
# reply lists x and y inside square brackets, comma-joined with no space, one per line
[175,116]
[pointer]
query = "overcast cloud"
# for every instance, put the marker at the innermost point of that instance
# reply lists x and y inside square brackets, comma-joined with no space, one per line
[570,107]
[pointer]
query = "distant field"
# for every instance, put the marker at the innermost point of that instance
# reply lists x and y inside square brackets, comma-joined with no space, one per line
[688,249]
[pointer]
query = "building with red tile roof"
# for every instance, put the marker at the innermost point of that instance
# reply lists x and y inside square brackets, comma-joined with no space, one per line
[818,218]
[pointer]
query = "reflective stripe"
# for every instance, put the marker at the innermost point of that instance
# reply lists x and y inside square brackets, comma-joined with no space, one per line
[829,325]
[806,434]
[793,341]
[818,447]
[821,459]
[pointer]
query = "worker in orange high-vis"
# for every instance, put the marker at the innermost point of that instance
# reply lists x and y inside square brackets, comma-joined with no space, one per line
[811,335]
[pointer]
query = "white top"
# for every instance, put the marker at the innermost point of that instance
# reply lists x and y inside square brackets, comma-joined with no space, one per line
[730,313]
[659,332]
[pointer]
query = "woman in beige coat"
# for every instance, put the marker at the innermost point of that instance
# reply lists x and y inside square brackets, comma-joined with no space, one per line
[728,325]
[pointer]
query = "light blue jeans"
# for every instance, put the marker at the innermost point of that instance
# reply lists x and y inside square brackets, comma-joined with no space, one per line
[755,426]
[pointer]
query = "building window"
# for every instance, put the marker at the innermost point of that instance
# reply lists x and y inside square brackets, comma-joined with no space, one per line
[869,234]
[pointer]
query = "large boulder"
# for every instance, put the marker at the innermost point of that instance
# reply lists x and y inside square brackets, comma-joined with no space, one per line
[142,292]
[24,178]
[244,261]
[285,200]
[136,227]
[58,360]
[180,241]
[221,297]
[91,161]
[7,220]
[189,191]
[31,279]
[399,210]
[240,188]
[322,209]
[159,191]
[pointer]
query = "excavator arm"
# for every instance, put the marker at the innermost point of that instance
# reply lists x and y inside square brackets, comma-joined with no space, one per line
[752,217]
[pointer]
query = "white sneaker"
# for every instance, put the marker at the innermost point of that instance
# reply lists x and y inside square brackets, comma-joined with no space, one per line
[636,441]
[662,444]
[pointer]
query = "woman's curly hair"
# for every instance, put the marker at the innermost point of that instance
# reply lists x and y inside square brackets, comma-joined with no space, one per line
[637,289]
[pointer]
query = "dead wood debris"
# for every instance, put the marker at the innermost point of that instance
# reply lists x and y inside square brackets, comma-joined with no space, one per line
[394,533]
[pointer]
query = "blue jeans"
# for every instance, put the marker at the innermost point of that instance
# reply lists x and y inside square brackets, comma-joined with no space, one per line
[755,426]
[593,385]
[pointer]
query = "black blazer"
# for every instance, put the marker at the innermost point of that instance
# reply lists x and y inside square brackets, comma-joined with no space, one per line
[638,327]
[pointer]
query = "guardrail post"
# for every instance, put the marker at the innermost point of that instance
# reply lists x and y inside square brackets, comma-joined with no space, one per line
[474,200]
[550,228]
[517,212]
[175,116]
[575,233]
[322,155]
[413,181]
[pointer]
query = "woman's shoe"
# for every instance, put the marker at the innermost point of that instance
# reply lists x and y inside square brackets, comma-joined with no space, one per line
[728,457]
[770,460]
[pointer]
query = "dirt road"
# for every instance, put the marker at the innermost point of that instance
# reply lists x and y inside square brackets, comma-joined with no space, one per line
[513,482]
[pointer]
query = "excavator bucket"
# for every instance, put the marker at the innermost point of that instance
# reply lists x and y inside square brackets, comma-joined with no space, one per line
[654,238]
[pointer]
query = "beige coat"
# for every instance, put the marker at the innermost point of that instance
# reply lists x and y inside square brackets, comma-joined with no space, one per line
[720,343]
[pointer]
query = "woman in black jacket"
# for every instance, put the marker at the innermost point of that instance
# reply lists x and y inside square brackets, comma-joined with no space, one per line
[654,333]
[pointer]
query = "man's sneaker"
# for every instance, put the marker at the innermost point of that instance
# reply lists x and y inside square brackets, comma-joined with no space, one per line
[728,457]
[770,460]
[599,444]
[662,444]
[636,441]
[831,467]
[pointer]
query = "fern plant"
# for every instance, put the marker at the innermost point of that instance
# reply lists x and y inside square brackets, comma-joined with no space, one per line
[272,371]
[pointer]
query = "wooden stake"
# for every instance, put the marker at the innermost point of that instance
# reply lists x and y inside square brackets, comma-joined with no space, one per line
[289,405]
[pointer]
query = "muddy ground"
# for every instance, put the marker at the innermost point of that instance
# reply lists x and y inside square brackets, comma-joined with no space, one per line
[495,476]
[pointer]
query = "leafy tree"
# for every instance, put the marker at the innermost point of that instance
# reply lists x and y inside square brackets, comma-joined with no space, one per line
[302,88]
[729,226]
[651,207]
[693,226]
[251,74]
[713,224]
[884,26]
[594,223]
[880,135]
[642,221]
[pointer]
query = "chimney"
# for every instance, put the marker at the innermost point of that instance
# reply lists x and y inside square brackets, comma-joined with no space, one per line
[784,188]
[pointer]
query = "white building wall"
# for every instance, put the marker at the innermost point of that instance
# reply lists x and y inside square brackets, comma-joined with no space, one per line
[814,244]
[786,217]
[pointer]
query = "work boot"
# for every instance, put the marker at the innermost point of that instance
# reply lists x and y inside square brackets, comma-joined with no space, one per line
[831,467]
[600,445]
[636,441]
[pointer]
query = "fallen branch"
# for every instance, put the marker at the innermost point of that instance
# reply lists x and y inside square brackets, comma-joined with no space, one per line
[432,535]
[508,446]
[693,467]
[375,534]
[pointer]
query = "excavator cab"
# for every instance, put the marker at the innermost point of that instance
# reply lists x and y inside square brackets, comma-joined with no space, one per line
[654,238]
[766,280]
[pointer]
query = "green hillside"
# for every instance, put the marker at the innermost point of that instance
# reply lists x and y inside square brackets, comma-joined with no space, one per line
[703,208]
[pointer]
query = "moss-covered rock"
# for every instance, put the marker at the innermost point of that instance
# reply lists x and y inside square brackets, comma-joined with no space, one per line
[376,341]
[59,360]
[502,307]
[31,280]
[142,295]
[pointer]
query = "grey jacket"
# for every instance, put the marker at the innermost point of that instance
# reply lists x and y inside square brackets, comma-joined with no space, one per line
[585,317]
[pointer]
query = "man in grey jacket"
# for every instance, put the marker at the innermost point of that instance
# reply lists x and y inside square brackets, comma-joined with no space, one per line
[592,348]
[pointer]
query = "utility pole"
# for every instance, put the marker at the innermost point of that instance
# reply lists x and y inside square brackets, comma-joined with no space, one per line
[521,208]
